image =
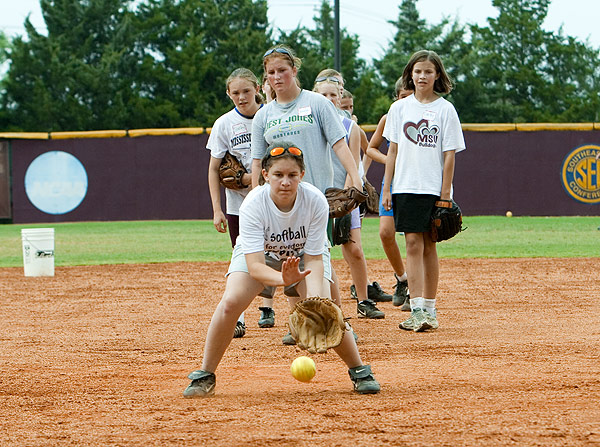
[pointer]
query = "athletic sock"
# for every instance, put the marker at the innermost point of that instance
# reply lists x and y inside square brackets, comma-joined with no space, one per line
[417,303]
[430,306]
[404,277]
[241,318]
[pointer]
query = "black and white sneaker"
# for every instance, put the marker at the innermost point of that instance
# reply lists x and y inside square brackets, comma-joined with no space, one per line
[363,380]
[376,293]
[401,295]
[368,309]
[240,330]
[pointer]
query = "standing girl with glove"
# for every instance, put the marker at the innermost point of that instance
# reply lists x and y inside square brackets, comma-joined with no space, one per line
[232,133]
[282,230]
[424,134]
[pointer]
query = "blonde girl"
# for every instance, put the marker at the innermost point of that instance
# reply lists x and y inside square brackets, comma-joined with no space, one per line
[302,117]
[231,133]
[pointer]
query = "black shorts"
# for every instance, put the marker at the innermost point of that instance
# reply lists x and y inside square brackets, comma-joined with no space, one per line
[412,212]
[233,222]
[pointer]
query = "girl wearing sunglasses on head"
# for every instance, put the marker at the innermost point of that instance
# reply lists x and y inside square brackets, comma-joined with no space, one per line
[281,243]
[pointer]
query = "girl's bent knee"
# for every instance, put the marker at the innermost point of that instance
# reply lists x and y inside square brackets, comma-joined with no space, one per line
[229,306]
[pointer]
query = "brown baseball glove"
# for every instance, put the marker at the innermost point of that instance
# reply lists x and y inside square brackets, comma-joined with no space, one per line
[231,172]
[372,203]
[342,201]
[446,220]
[317,324]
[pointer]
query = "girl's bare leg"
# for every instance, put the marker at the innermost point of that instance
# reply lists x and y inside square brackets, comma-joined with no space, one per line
[239,293]
[387,234]
[414,263]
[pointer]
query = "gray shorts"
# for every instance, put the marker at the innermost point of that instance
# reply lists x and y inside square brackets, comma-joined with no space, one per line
[238,264]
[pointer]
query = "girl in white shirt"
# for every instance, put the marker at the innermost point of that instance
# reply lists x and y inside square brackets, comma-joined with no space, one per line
[424,134]
[282,230]
[231,133]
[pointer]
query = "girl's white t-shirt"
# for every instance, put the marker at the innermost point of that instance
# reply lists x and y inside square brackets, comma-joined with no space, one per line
[232,132]
[423,132]
[303,229]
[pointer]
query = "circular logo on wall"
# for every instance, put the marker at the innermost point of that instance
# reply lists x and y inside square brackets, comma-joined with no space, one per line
[56,182]
[580,172]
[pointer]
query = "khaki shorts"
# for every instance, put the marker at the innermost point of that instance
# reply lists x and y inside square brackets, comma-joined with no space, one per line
[238,264]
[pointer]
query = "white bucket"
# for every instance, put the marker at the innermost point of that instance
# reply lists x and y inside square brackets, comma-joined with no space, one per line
[38,251]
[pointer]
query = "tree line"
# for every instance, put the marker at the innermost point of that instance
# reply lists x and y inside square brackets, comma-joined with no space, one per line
[116,64]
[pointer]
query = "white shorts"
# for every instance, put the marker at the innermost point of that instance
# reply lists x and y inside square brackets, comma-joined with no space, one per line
[356,221]
[238,264]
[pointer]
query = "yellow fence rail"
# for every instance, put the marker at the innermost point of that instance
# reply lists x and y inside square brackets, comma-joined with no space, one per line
[102,133]
[134,133]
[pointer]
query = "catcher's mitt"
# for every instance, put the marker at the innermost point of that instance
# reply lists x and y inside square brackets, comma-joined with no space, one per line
[317,324]
[446,220]
[341,230]
[342,201]
[231,172]
[372,203]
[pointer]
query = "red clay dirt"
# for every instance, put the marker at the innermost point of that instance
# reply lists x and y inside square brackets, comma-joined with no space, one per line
[99,356]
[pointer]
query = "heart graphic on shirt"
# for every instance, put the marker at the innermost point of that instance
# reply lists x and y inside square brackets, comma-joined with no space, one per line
[412,130]
[433,130]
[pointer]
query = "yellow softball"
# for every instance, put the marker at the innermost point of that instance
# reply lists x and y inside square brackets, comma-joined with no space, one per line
[303,369]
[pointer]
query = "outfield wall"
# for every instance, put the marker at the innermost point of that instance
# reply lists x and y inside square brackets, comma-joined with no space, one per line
[535,169]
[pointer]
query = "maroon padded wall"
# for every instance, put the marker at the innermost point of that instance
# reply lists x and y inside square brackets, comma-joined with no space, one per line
[518,171]
[144,178]
[5,206]
[165,177]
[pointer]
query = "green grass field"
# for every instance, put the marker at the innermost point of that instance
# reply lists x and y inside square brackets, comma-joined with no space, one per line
[92,243]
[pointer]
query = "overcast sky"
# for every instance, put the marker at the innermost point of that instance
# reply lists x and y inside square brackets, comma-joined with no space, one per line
[368,19]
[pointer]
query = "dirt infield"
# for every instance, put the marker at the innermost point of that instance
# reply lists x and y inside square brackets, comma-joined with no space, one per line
[99,356]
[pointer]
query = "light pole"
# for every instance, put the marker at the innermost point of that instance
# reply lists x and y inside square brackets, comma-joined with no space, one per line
[337,58]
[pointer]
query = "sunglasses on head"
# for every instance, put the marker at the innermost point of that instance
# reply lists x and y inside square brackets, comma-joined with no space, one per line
[327,78]
[276,151]
[280,51]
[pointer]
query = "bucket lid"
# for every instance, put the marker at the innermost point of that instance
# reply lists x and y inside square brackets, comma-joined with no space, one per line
[34,231]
